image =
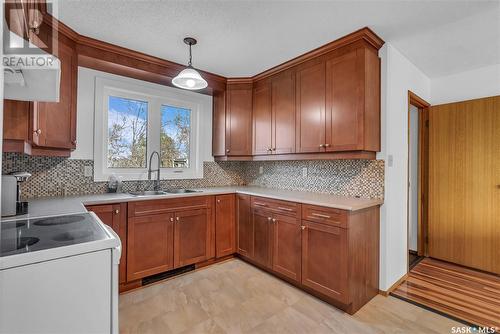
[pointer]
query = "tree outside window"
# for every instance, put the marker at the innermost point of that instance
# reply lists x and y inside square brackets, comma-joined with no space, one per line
[174,137]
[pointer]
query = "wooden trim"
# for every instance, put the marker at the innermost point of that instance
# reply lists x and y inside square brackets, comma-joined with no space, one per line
[393,287]
[362,155]
[15,145]
[417,101]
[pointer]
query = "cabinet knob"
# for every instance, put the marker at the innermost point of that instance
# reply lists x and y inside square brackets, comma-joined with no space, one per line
[228,150]
[171,219]
[269,219]
[327,145]
[274,220]
[269,149]
[38,131]
[302,227]
[177,218]
[218,201]
[321,145]
[274,148]
[117,211]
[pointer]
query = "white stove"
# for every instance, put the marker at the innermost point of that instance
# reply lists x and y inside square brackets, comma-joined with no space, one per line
[58,275]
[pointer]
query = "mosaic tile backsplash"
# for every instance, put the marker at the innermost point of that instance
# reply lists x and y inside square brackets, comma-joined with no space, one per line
[54,176]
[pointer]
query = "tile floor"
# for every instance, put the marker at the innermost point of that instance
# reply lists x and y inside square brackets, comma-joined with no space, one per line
[234,297]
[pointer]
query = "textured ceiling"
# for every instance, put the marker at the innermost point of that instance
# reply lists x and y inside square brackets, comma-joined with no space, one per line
[243,38]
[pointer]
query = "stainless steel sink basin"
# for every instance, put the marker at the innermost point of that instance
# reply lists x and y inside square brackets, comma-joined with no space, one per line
[181,191]
[147,193]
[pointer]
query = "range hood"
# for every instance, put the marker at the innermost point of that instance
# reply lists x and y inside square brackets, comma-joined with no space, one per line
[34,76]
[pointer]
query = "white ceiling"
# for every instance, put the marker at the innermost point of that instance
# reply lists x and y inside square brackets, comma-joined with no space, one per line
[243,38]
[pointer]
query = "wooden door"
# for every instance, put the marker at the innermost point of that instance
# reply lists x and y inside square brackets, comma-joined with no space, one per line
[324,260]
[287,246]
[262,120]
[219,124]
[464,183]
[283,113]
[262,221]
[54,123]
[115,216]
[310,106]
[344,102]
[244,225]
[225,225]
[150,245]
[191,237]
[239,121]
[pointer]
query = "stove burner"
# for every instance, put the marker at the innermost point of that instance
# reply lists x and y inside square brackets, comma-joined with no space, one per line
[70,236]
[51,221]
[9,226]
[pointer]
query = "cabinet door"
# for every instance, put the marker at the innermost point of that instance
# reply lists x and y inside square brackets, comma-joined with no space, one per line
[287,246]
[149,245]
[283,110]
[324,260]
[310,107]
[54,123]
[262,119]
[225,225]
[244,225]
[344,102]
[239,121]
[115,216]
[219,124]
[262,221]
[191,237]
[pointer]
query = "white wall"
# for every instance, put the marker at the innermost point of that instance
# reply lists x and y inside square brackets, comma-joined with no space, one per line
[85,113]
[398,76]
[475,84]
[413,187]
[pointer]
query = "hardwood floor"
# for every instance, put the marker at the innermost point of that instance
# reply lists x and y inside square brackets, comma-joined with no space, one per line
[235,297]
[460,292]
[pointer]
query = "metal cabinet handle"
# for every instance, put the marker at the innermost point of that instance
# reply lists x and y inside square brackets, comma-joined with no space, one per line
[284,209]
[302,227]
[171,219]
[320,215]
[260,204]
[38,131]
[117,211]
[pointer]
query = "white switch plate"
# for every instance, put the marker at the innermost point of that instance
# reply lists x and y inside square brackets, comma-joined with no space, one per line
[88,171]
[304,172]
[261,170]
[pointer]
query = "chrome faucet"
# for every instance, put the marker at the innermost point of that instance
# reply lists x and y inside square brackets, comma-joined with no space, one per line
[156,183]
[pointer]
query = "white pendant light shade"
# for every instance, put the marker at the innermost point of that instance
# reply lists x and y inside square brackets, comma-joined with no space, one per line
[189,78]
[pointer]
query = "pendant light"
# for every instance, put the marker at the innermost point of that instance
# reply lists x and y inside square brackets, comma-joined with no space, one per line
[189,78]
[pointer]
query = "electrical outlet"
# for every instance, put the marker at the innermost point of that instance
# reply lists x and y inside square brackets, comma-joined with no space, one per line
[88,171]
[261,170]
[304,172]
[390,160]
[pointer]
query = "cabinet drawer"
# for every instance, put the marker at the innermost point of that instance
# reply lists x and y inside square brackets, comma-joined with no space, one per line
[160,206]
[321,214]
[276,206]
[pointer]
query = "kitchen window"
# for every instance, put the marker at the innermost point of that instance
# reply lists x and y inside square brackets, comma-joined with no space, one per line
[132,121]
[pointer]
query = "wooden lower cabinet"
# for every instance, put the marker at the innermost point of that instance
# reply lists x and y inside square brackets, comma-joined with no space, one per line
[192,237]
[150,245]
[262,221]
[324,260]
[244,226]
[286,248]
[225,225]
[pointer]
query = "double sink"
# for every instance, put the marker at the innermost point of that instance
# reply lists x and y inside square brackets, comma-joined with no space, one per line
[163,192]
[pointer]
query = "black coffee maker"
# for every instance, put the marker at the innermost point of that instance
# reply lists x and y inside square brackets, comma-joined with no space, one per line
[21,206]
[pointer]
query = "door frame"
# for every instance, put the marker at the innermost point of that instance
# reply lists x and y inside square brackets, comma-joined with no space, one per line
[423,174]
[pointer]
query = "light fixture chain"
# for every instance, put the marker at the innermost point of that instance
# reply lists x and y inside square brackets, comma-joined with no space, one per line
[190,56]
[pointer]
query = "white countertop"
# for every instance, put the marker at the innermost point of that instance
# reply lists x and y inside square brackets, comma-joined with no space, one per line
[55,206]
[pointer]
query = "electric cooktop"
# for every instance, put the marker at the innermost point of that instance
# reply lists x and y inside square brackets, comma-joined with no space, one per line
[29,235]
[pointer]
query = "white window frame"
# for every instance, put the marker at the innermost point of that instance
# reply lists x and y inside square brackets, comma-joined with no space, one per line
[155,98]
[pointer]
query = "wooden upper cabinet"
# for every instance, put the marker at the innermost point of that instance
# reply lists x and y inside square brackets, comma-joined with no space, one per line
[352,101]
[219,124]
[262,118]
[192,237]
[283,113]
[310,106]
[225,225]
[239,120]
[54,123]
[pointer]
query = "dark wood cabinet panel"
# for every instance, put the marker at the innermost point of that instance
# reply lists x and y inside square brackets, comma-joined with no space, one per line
[283,113]
[191,237]
[16,116]
[324,260]
[310,106]
[262,244]
[262,119]
[150,245]
[115,216]
[287,246]
[344,102]
[54,123]
[244,226]
[159,206]
[219,124]
[225,225]
[239,120]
